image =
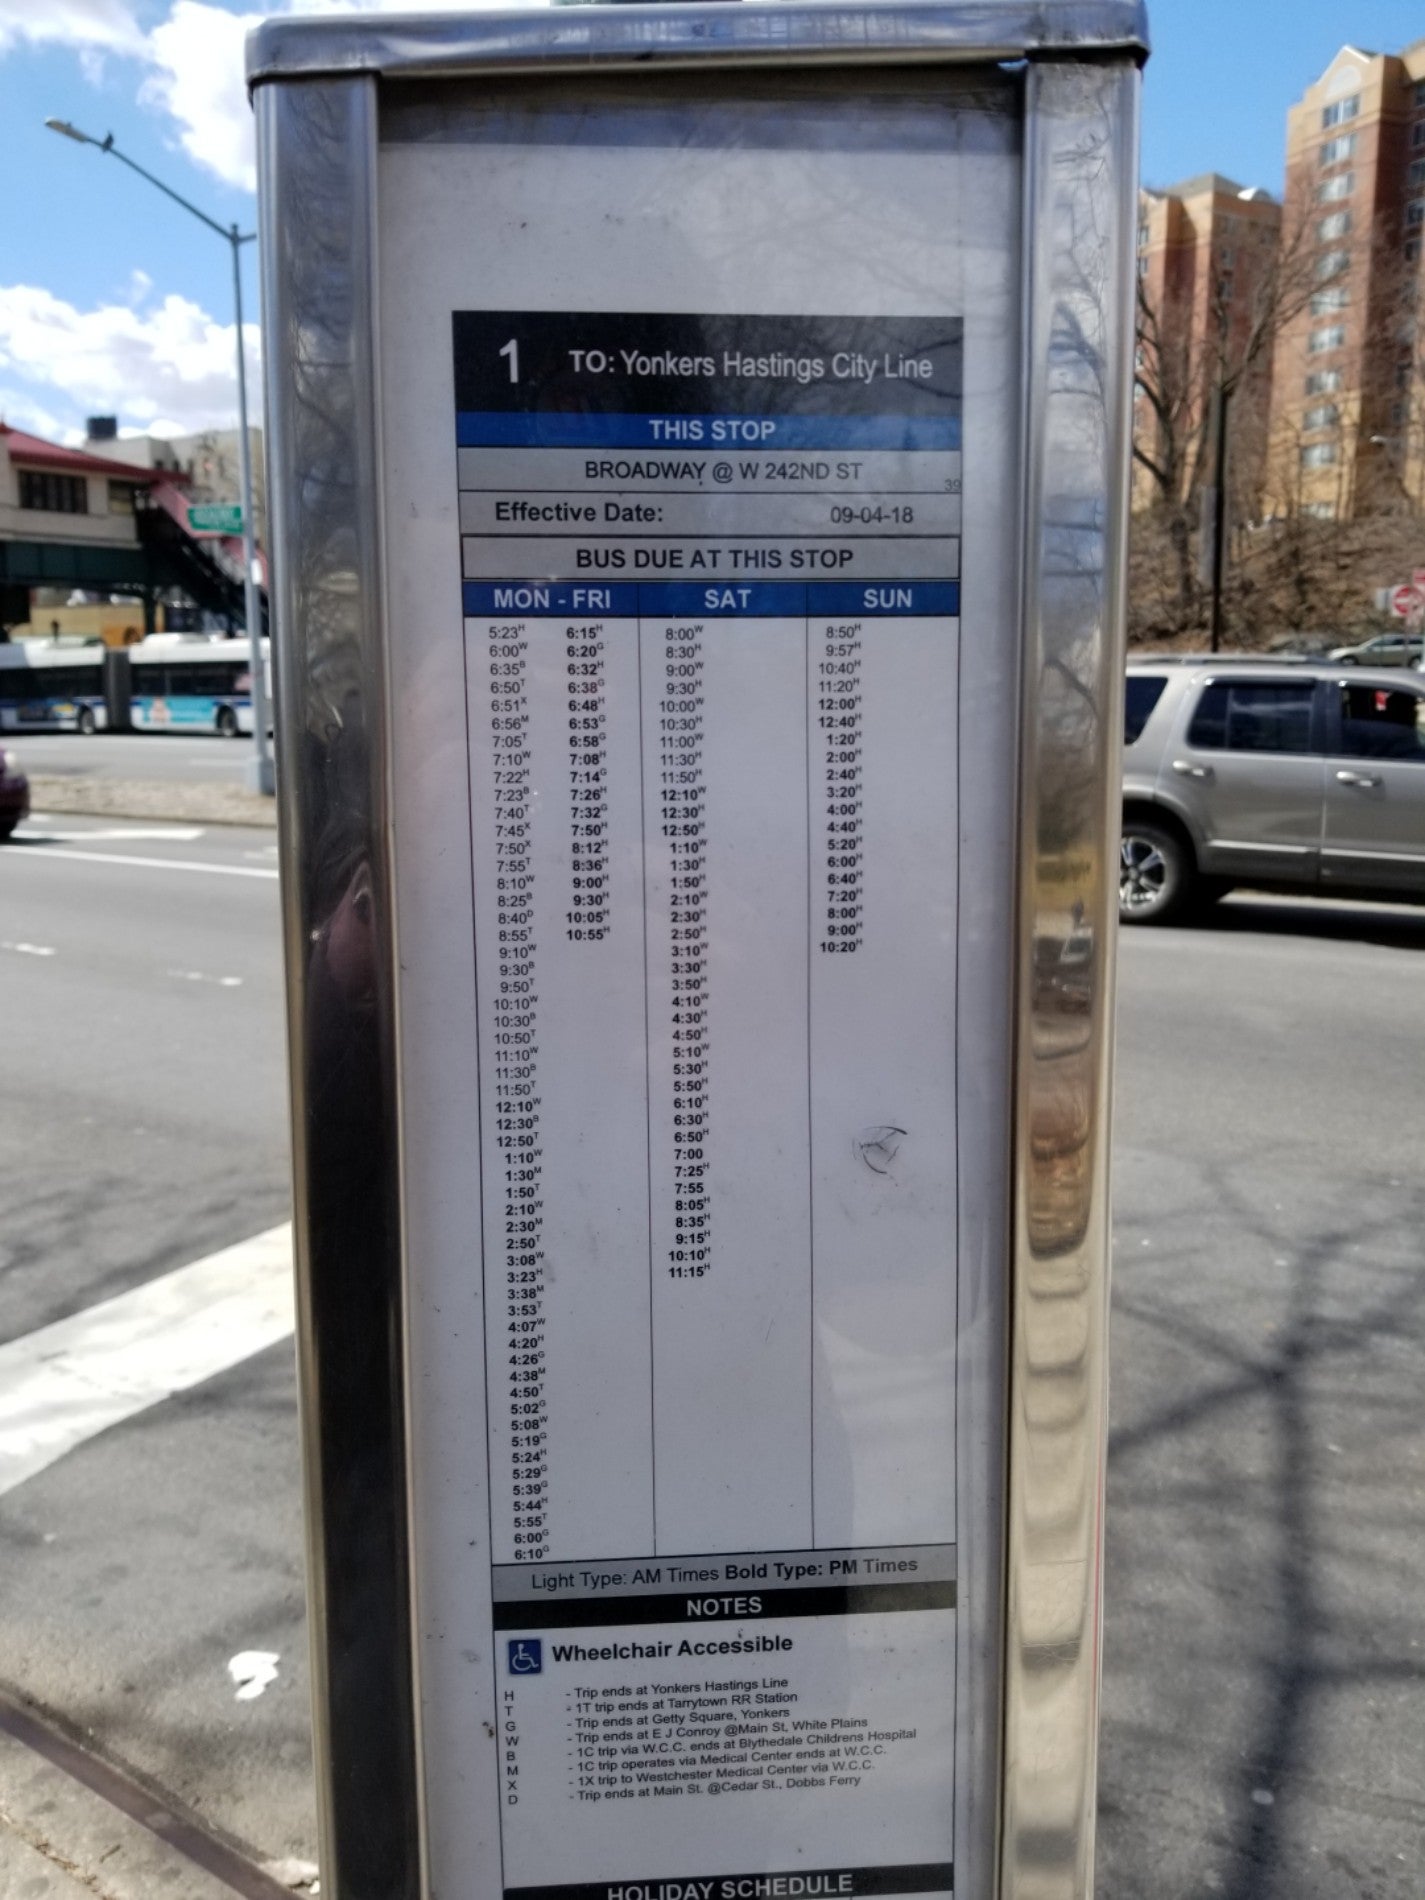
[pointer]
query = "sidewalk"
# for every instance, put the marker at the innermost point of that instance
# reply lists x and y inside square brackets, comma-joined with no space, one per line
[169,799]
[72,1828]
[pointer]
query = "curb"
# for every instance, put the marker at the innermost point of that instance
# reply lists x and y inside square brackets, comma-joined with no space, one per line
[170,800]
[74,1826]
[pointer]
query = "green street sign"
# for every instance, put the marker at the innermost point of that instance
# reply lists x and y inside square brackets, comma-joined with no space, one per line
[215,517]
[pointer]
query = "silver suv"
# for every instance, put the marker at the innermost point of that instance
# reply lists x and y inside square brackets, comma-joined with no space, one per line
[1282,776]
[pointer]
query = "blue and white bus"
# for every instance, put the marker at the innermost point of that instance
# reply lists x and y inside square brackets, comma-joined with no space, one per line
[179,684]
[46,688]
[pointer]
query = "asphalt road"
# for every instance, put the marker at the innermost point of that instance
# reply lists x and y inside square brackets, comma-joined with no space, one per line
[176,756]
[1264,1657]
[1264,1709]
[142,1101]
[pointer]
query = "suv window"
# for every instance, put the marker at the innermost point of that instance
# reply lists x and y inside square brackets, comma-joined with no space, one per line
[1253,716]
[1377,723]
[1142,696]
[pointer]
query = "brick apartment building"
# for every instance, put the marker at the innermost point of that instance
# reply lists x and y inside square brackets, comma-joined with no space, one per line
[1206,252]
[1331,419]
[1346,423]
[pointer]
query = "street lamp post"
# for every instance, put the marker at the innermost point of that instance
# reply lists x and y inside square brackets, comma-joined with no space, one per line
[259,772]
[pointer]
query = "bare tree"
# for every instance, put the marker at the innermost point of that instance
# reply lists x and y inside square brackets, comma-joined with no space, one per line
[1195,366]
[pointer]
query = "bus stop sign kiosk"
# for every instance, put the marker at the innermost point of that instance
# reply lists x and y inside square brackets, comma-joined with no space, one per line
[698,445]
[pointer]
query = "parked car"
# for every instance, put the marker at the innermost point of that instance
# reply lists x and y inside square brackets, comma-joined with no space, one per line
[1283,775]
[14,794]
[1305,646]
[1386,649]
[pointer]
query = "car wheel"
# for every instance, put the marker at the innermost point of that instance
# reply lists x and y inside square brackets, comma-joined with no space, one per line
[1155,876]
[227,722]
[7,828]
[86,722]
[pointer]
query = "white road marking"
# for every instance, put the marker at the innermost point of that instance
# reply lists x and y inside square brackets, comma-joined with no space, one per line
[172,834]
[65,1383]
[252,1670]
[201,976]
[147,864]
[30,949]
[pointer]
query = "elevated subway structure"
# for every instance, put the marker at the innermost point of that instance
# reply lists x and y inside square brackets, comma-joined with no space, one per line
[69,519]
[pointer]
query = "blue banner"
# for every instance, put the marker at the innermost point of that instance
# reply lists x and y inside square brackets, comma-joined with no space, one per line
[767,600]
[579,600]
[497,429]
[883,597]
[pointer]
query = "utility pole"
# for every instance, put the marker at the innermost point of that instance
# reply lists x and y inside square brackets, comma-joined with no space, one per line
[1215,517]
[259,770]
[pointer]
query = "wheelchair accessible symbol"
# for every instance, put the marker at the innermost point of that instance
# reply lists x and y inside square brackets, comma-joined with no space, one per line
[527,1656]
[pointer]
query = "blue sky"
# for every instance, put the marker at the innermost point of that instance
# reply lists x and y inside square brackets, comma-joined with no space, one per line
[113,300]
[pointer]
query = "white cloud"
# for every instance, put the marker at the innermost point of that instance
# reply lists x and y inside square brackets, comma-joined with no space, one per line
[21,411]
[88,25]
[197,75]
[172,365]
[194,60]
[197,78]
[168,366]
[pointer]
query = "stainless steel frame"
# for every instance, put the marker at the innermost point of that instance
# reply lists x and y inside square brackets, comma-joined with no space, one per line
[429,46]
[316,84]
[317,145]
[1081,167]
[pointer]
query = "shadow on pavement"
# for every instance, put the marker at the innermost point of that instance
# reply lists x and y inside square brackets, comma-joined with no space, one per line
[1395,926]
[1262,1641]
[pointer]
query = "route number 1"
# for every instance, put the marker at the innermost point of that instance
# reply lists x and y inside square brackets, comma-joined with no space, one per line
[512,351]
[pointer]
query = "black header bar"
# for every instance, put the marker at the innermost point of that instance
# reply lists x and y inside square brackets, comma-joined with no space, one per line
[706,1610]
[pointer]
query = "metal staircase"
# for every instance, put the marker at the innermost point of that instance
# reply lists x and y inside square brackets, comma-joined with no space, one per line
[176,559]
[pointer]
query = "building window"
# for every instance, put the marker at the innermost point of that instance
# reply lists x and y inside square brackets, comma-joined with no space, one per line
[1142,237]
[1329,337]
[1397,414]
[1420,96]
[1318,455]
[1142,267]
[1332,263]
[1342,112]
[1323,382]
[54,494]
[1333,188]
[1416,175]
[1325,301]
[1334,151]
[1412,250]
[1336,226]
[1320,510]
[1324,416]
[1417,135]
[121,498]
[1415,214]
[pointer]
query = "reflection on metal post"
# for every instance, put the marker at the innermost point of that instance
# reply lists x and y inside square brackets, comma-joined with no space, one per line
[260,774]
[319,273]
[1079,225]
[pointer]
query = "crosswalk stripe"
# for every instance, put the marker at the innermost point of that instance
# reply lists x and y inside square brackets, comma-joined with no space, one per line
[64,1383]
[144,864]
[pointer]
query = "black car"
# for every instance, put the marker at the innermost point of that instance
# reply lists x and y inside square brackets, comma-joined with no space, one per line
[14,794]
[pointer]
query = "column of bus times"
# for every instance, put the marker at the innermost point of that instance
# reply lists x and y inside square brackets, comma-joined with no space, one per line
[552,674]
